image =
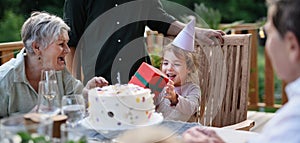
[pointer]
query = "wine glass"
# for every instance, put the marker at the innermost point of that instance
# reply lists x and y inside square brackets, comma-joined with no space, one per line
[48,75]
[48,91]
[154,48]
[74,107]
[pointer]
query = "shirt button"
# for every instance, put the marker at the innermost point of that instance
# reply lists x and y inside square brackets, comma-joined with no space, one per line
[119,40]
[120,59]
[118,22]
[116,5]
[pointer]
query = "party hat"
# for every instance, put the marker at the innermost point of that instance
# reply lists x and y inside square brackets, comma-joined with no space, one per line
[185,39]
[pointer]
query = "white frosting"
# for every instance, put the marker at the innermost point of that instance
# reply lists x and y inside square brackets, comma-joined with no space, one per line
[120,106]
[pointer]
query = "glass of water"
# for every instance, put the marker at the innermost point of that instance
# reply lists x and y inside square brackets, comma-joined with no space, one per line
[73,106]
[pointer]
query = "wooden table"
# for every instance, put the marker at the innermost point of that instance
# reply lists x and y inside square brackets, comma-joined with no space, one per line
[234,136]
[228,135]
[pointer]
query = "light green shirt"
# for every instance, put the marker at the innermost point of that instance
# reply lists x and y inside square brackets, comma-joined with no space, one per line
[17,96]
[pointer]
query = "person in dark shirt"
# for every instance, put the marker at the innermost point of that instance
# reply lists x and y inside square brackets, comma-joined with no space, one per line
[110,35]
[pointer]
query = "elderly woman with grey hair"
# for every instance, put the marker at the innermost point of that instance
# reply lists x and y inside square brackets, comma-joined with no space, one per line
[45,39]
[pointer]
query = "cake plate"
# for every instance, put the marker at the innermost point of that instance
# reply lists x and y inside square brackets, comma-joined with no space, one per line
[157,118]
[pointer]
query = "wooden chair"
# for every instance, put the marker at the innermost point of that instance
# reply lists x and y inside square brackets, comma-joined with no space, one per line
[224,80]
[224,74]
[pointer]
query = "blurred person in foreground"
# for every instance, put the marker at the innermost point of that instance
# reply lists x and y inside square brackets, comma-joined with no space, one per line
[283,48]
[45,39]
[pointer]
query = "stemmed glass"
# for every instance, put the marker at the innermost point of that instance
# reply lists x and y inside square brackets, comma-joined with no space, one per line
[74,107]
[48,91]
[154,48]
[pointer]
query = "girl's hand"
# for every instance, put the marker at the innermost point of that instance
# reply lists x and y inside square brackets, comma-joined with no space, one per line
[170,93]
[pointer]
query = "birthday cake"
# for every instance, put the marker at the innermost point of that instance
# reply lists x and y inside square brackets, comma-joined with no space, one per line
[120,106]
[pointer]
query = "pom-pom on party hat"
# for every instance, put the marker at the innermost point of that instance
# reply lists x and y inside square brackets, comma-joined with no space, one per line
[185,39]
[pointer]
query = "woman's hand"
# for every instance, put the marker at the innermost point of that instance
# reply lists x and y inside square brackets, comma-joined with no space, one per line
[199,134]
[170,93]
[96,82]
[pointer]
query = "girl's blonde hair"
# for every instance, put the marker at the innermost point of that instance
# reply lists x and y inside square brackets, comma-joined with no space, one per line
[192,61]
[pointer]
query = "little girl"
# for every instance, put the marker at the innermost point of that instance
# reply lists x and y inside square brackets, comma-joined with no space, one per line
[180,98]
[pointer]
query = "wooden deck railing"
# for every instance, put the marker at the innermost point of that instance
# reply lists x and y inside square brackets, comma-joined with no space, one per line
[269,87]
[8,50]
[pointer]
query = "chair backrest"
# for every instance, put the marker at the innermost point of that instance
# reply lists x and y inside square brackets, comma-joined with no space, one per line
[224,80]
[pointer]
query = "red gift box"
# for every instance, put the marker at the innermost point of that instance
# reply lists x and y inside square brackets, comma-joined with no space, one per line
[150,77]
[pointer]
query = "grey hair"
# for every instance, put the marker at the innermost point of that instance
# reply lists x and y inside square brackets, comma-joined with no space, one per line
[43,29]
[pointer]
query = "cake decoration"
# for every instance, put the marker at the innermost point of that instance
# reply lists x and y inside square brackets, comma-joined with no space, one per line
[137,100]
[110,114]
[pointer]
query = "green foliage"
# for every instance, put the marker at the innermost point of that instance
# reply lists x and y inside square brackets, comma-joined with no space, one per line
[52,6]
[156,60]
[28,138]
[211,16]
[81,140]
[8,5]
[10,27]
[233,10]
[14,12]
[206,17]
[261,73]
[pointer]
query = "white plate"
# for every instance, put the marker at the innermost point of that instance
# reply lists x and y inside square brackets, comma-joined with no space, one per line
[156,119]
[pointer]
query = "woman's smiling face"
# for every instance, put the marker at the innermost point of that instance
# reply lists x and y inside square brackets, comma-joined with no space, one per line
[53,56]
[175,68]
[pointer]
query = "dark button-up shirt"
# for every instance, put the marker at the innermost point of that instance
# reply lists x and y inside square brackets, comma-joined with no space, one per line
[110,34]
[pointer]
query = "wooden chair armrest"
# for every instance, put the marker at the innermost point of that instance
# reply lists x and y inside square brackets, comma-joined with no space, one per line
[244,125]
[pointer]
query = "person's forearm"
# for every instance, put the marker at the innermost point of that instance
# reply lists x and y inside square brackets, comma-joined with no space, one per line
[175,28]
[69,59]
[203,35]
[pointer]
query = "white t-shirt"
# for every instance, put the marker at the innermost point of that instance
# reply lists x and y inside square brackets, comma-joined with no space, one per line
[284,127]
